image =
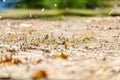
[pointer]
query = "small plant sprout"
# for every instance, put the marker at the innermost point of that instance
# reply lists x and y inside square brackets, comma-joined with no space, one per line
[46,36]
[52,39]
[62,39]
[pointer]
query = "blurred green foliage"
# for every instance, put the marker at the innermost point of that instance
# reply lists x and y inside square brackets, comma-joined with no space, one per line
[61,4]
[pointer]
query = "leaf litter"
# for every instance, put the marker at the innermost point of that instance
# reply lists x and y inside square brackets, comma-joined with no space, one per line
[44,52]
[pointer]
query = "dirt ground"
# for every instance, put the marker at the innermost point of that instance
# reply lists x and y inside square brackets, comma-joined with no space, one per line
[68,49]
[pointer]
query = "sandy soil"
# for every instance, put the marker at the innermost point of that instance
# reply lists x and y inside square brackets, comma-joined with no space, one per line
[74,48]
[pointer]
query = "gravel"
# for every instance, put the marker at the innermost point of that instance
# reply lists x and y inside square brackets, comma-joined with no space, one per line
[91,51]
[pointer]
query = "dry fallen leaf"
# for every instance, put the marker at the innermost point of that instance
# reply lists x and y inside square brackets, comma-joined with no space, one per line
[92,32]
[65,45]
[62,55]
[0,60]
[36,43]
[12,37]
[17,61]
[55,46]
[10,63]
[101,71]
[39,74]
[30,32]
[8,60]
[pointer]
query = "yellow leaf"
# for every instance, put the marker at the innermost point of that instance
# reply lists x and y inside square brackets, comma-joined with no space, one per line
[86,37]
[58,54]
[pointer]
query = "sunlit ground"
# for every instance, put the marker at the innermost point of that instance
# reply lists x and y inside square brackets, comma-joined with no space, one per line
[69,49]
[83,46]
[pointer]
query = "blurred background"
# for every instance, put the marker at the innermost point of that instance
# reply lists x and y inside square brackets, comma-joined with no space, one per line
[48,8]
